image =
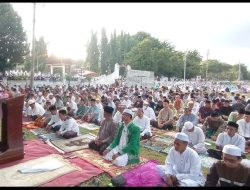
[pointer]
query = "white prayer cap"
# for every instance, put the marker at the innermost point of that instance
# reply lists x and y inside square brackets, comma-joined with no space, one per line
[40,93]
[188,125]
[232,150]
[128,111]
[31,101]
[182,137]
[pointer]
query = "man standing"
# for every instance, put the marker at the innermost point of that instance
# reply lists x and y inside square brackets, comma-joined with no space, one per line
[229,137]
[196,137]
[229,171]
[106,132]
[182,166]
[125,147]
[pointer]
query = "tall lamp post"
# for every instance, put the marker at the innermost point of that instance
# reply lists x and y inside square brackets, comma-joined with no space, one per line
[33,48]
[185,63]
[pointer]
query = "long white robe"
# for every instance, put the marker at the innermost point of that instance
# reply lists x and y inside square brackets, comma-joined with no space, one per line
[123,159]
[197,139]
[186,167]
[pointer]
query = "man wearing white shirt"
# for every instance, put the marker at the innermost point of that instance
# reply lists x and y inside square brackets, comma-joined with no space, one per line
[40,99]
[148,111]
[127,102]
[73,106]
[35,110]
[244,126]
[118,115]
[69,128]
[55,121]
[143,123]
[182,166]
[196,137]
[229,137]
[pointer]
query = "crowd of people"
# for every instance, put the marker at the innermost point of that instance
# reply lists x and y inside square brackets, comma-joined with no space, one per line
[126,116]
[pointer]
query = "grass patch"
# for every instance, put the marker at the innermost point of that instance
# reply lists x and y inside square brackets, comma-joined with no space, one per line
[104,180]
[153,155]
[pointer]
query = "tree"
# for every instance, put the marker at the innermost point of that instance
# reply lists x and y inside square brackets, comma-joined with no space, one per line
[41,54]
[193,64]
[13,40]
[105,53]
[93,53]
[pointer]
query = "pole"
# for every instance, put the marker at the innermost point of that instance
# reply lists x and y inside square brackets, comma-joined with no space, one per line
[207,64]
[185,62]
[239,72]
[33,48]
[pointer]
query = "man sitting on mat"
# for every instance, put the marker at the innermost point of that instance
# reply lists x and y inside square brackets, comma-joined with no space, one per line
[69,128]
[106,132]
[125,148]
[55,121]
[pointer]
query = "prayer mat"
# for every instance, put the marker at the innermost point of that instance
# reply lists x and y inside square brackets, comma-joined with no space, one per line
[44,135]
[30,125]
[207,161]
[89,126]
[156,131]
[96,159]
[158,143]
[167,149]
[144,176]
[73,144]
[11,176]
[36,148]
[170,134]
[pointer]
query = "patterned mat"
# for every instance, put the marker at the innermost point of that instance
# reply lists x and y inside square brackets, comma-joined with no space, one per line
[89,126]
[73,144]
[42,134]
[158,143]
[207,161]
[10,176]
[96,159]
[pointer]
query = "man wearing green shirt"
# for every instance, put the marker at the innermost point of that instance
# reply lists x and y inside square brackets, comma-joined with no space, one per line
[125,148]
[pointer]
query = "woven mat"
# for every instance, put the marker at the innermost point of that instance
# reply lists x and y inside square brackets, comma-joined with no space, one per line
[10,176]
[156,131]
[207,161]
[89,126]
[158,143]
[96,159]
[73,144]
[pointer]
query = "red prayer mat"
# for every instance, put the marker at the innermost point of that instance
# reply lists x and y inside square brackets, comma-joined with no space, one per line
[37,148]
[96,159]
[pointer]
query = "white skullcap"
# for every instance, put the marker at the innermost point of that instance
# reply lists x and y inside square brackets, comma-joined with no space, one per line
[188,125]
[182,137]
[128,111]
[40,93]
[31,101]
[50,94]
[231,150]
[145,102]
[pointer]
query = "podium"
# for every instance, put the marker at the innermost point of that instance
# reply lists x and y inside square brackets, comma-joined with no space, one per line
[11,145]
